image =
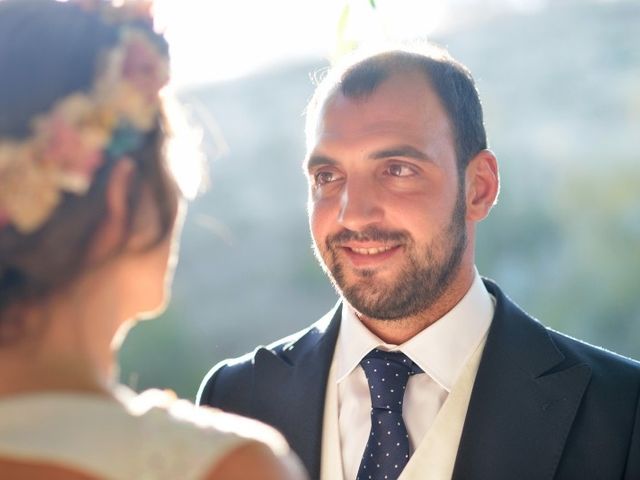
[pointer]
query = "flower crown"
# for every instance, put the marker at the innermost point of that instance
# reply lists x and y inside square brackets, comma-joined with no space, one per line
[72,140]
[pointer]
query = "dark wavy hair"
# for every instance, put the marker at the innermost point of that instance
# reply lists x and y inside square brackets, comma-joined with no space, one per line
[49,50]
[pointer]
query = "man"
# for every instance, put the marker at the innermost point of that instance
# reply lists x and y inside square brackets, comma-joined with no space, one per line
[423,369]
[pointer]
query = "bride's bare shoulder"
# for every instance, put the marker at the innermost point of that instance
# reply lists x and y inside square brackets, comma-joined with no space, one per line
[257,461]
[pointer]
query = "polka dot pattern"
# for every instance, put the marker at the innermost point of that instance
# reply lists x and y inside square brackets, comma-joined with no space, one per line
[387,450]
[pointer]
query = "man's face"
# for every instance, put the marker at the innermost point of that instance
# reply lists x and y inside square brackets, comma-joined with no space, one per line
[386,207]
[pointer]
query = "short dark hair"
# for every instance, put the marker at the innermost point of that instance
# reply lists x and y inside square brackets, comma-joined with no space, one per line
[450,79]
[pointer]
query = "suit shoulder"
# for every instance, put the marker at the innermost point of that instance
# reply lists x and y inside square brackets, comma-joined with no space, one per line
[598,358]
[573,350]
[236,374]
[287,348]
[221,379]
[303,338]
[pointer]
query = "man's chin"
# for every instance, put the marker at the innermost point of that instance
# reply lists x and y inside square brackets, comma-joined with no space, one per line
[367,298]
[352,275]
[371,312]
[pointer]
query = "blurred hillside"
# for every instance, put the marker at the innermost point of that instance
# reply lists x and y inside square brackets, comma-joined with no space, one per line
[561,91]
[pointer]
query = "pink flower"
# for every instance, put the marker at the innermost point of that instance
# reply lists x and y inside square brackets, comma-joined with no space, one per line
[65,148]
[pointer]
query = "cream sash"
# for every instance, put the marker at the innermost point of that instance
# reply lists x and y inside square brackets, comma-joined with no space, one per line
[331,457]
[435,456]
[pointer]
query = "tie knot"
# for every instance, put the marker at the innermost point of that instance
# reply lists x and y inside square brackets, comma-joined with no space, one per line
[387,374]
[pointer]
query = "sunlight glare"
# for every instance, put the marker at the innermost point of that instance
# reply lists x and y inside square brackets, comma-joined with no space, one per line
[218,40]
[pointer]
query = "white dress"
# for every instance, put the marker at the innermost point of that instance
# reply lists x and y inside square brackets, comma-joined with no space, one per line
[150,436]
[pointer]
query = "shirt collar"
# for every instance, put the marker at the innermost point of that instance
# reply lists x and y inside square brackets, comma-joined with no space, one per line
[441,350]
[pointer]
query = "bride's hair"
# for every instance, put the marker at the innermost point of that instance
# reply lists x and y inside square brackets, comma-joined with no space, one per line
[48,51]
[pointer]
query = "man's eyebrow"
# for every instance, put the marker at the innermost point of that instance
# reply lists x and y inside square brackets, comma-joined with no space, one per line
[401,151]
[406,151]
[317,160]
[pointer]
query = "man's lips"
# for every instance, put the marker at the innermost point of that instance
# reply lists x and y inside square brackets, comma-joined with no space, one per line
[362,256]
[370,250]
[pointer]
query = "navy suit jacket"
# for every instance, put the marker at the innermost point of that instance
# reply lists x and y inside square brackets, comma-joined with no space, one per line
[543,405]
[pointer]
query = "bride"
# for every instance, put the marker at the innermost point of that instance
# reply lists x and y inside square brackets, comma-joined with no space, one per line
[89,217]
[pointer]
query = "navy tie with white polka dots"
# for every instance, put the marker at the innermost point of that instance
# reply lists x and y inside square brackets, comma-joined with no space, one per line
[387,451]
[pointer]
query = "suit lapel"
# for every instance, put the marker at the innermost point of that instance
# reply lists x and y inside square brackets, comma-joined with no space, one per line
[523,403]
[293,385]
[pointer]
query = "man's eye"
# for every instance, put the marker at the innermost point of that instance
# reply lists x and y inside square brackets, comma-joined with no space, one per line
[399,170]
[322,178]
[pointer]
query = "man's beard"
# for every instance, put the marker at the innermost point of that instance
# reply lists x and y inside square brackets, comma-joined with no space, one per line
[427,274]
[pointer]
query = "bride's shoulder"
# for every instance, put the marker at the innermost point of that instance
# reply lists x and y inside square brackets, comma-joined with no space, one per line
[182,437]
[162,409]
[149,435]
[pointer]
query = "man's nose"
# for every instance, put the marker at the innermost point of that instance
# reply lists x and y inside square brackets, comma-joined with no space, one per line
[360,204]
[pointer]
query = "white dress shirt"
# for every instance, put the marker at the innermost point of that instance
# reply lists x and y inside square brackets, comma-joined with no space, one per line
[441,350]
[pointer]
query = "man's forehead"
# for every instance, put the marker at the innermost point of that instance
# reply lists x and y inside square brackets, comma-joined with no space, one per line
[403,98]
[408,89]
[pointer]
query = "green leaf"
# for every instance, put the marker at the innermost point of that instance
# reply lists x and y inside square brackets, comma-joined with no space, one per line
[372,3]
[343,20]
[344,44]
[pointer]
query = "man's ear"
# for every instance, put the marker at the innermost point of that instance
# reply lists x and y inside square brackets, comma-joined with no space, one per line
[482,182]
[113,227]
